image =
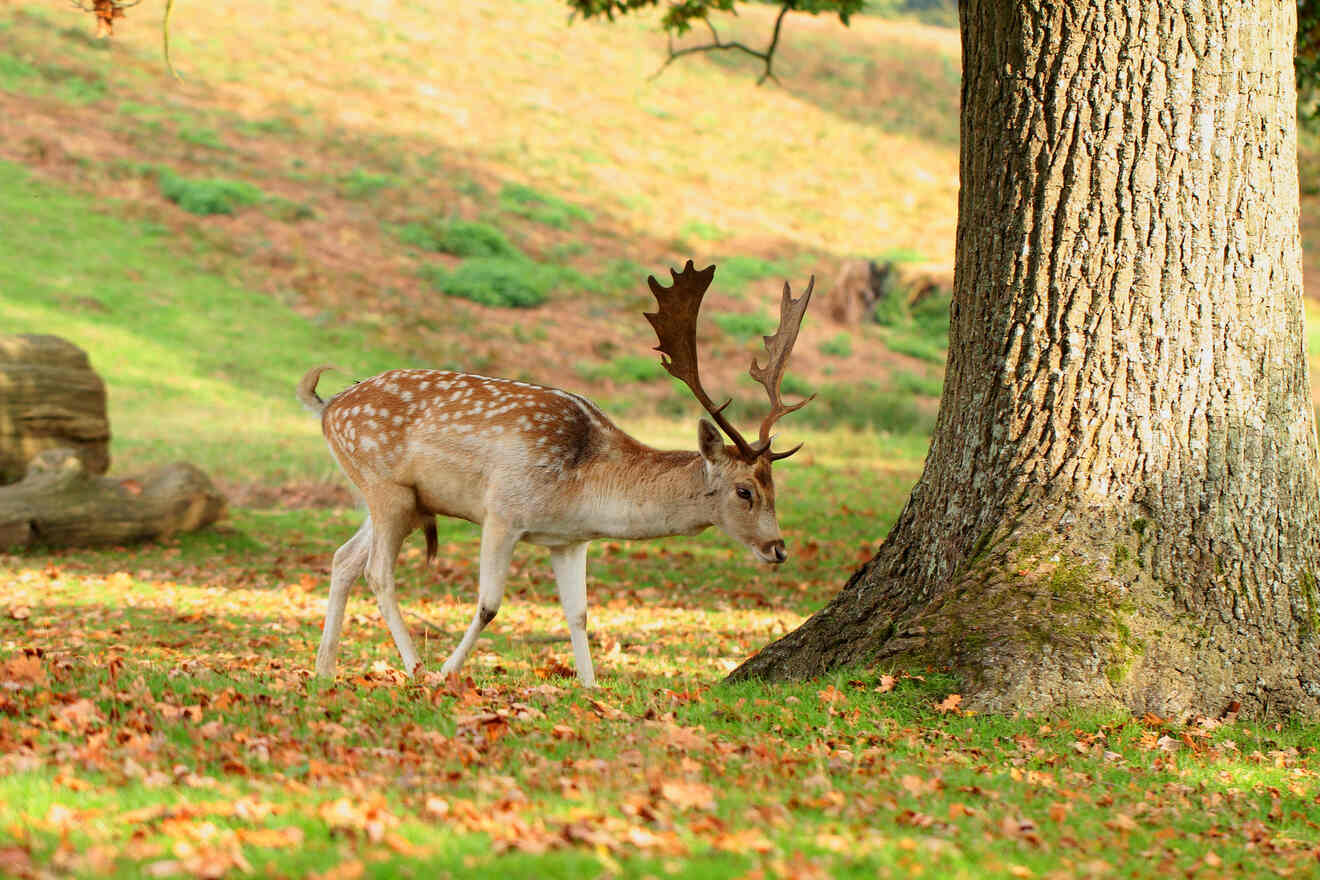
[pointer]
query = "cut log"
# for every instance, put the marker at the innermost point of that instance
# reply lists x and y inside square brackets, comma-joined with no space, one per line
[50,397]
[59,504]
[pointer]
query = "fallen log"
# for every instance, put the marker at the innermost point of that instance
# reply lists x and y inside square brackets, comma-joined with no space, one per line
[60,504]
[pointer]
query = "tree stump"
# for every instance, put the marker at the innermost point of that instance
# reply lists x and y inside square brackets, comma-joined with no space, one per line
[60,504]
[50,397]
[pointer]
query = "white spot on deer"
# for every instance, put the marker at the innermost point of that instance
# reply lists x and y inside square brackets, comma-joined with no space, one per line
[398,420]
[406,395]
[423,386]
[356,410]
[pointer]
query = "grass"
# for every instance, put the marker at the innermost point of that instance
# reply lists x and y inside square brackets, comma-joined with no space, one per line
[462,238]
[524,201]
[839,345]
[494,281]
[866,406]
[624,370]
[158,717]
[206,196]
[744,325]
[920,330]
[198,367]
[361,184]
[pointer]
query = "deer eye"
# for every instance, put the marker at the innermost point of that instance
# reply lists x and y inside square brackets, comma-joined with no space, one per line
[744,493]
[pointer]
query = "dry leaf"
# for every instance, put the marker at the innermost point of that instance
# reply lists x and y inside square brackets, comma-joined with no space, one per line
[949,703]
[688,795]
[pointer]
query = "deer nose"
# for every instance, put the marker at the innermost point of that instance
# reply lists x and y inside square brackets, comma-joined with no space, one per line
[775,552]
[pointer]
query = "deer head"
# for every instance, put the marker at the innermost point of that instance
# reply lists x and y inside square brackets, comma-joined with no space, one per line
[738,477]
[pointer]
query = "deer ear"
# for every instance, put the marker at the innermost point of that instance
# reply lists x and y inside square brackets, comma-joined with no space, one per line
[709,441]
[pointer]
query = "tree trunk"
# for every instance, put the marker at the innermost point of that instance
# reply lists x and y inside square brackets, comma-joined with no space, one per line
[59,504]
[50,397]
[1119,507]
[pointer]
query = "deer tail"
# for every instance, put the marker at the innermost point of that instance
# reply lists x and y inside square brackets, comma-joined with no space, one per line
[432,542]
[306,390]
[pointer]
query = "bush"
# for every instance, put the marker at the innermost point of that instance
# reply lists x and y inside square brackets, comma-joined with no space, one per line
[625,369]
[741,325]
[534,205]
[921,330]
[839,346]
[462,238]
[912,383]
[288,210]
[359,184]
[494,281]
[864,406]
[735,273]
[207,196]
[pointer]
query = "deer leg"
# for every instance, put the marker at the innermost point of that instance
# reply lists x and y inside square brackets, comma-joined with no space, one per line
[349,561]
[389,528]
[497,542]
[570,567]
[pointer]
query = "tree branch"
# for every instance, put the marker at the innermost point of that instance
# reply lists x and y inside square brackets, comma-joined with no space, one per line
[716,44]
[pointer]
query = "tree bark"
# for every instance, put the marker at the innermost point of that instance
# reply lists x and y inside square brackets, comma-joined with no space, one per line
[59,504]
[50,397]
[1119,506]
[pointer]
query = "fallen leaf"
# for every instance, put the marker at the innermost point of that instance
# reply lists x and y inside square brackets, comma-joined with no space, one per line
[688,795]
[949,703]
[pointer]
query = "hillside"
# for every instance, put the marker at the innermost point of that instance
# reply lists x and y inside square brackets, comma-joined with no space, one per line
[360,151]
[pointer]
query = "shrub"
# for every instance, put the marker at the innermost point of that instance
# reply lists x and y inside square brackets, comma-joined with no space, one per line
[359,184]
[494,281]
[288,210]
[743,325]
[864,405]
[702,231]
[912,383]
[462,238]
[205,196]
[735,273]
[920,330]
[625,369]
[839,346]
[525,201]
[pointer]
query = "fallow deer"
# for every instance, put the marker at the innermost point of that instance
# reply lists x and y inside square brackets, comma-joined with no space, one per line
[536,464]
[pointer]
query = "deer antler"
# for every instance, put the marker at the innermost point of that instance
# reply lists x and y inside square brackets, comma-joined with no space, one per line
[779,347]
[675,323]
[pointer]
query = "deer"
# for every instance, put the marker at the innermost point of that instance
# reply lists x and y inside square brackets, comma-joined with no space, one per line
[530,463]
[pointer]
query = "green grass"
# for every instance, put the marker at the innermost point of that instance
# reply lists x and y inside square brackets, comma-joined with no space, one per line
[206,196]
[462,238]
[525,201]
[866,406]
[204,741]
[494,281]
[624,369]
[197,368]
[735,272]
[744,325]
[839,345]
[920,330]
[360,184]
